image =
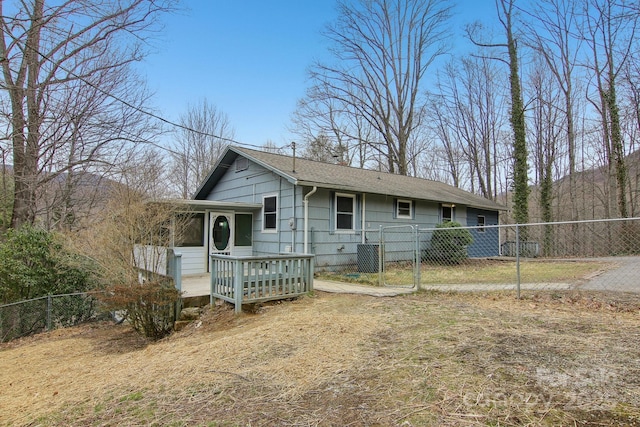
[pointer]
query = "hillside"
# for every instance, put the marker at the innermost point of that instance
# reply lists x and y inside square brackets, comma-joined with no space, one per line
[65,197]
[590,196]
[426,359]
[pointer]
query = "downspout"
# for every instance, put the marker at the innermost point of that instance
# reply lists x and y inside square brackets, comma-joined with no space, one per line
[306,218]
[278,213]
[364,223]
[292,221]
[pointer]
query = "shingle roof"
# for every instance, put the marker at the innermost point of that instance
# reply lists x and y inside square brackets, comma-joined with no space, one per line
[345,178]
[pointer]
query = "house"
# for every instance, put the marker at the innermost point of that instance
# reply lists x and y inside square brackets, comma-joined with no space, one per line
[259,203]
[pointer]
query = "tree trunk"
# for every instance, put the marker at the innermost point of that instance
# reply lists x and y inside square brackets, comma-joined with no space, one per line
[520,168]
[26,146]
[617,148]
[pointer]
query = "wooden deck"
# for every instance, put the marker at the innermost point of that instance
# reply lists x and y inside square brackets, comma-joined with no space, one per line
[196,285]
[247,280]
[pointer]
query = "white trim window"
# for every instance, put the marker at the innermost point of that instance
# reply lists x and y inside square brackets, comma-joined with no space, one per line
[481,223]
[404,208]
[447,212]
[345,212]
[270,213]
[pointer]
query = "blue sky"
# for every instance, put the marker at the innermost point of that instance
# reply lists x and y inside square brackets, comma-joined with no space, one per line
[249,58]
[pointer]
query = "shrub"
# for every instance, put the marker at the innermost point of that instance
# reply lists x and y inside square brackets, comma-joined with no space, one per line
[150,308]
[449,244]
[34,263]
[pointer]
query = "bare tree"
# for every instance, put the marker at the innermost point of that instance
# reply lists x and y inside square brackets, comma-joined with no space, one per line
[199,143]
[546,136]
[87,137]
[382,52]
[46,49]
[610,32]
[318,116]
[631,130]
[322,149]
[505,11]
[6,190]
[469,117]
[449,152]
[554,35]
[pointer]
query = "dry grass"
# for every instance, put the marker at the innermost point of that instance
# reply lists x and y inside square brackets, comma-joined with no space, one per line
[479,271]
[489,271]
[426,359]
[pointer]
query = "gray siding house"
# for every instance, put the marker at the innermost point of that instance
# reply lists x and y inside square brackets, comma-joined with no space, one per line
[259,203]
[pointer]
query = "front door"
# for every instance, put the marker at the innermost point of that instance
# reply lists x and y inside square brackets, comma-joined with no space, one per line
[220,236]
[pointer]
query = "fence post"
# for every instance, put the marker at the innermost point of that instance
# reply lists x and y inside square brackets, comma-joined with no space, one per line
[177,271]
[418,260]
[213,278]
[238,284]
[380,255]
[49,303]
[517,261]
[174,267]
[311,267]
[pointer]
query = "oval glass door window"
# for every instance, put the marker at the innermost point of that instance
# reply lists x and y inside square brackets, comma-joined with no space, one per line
[221,232]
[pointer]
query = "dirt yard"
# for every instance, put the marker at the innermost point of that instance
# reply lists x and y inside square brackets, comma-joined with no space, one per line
[328,359]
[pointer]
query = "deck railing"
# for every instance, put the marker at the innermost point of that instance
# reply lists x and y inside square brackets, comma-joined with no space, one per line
[247,280]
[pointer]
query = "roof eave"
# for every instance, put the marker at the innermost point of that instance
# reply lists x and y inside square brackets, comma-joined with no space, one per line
[227,158]
[189,204]
[479,205]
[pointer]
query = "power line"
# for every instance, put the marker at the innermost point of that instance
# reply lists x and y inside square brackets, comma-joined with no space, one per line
[138,109]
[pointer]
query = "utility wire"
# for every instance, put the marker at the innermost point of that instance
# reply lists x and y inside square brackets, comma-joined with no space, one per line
[140,110]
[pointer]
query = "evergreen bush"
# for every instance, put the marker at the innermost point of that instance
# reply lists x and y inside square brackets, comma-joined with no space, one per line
[449,244]
[34,263]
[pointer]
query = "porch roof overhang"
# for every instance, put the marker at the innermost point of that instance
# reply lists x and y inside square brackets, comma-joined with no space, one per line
[205,205]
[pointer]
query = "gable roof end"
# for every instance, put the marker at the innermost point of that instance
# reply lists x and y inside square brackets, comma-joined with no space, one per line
[224,162]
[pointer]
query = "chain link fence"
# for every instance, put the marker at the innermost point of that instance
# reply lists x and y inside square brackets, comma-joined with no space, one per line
[599,255]
[45,313]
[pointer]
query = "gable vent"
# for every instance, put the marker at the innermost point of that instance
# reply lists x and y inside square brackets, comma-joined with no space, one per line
[242,163]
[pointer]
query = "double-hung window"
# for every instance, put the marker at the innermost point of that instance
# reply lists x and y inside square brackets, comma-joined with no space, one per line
[404,208]
[345,209]
[270,213]
[447,212]
[481,221]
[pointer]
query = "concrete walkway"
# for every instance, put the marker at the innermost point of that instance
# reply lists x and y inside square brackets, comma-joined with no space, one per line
[200,285]
[352,288]
[623,277]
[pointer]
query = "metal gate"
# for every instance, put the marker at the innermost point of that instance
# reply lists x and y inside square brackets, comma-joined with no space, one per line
[399,261]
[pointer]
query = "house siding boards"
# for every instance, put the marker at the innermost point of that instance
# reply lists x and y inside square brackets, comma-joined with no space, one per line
[193,259]
[485,243]
[246,186]
[250,186]
[324,240]
[270,174]
[379,211]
